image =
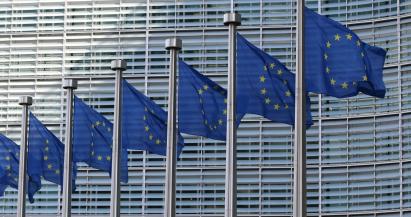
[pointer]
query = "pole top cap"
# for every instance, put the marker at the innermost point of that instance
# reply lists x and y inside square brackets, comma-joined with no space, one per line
[25,100]
[232,18]
[173,43]
[118,65]
[70,84]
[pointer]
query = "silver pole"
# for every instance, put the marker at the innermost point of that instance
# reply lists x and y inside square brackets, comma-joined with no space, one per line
[232,20]
[24,101]
[299,191]
[173,45]
[70,85]
[119,66]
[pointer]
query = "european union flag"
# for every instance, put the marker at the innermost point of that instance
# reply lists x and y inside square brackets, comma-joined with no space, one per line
[337,62]
[202,105]
[9,164]
[144,123]
[45,157]
[264,85]
[93,138]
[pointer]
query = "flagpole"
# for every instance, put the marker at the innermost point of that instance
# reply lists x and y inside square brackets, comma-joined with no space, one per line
[173,45]
[119,66]
[232,20]
[299,191]
[70,85]
[24,101]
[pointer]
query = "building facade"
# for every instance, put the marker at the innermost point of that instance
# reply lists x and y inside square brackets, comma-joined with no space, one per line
[359,149]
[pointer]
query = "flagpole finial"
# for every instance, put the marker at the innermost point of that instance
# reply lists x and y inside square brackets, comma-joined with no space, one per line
[25,100]
[232,18]
[117,65]
[70,84]
[173,43]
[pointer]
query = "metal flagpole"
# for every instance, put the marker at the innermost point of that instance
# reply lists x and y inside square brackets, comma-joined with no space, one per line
[173,45]
[299,191]
[119,66]
[232,20]
[24,101]
[70,85]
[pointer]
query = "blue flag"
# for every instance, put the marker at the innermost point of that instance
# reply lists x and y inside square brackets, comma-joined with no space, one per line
[93,138]
[337,62]
[9,164]
[144,123]
[45,157]
[264,85]
[202,105]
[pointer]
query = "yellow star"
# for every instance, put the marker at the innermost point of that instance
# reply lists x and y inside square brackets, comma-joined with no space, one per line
[262,78]
[215,127]
[337,37]
[225,111]
[332,81]
[279,72]
[288,93]
[104,124]
[354,83]
[158,141]
[201,101]
[344,85]
[99,157]
[349,36]
[9,174]
[205,122]
[147,128]
[203,112]
[57,171]
[358,43]
[277,107]
[144,117]
[45,157]
[272,65]
[362,54]
[364,78]
[200,91]
[205,87]
[328,44]
[49,166]
[8,168]
[150,137]
[326,56]
[225,100]
[327,69]
[98,123]
[267,100]
[108,158]
[47,141]
[7,158]
[108,129]
[92,153]
[286,106]
[46,148]
[220,121]
[265,68]
[263,91]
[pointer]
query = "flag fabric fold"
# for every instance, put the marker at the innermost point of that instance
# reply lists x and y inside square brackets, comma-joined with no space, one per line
[45,157]
[93,138]
[265,86]
[9,164]
[144,123]
[337,62]
[202,105]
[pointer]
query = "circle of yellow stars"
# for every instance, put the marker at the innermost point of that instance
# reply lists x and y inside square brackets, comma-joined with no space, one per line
[329,44]
[96,126]
[148,130]
[220,122]
[263,91]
